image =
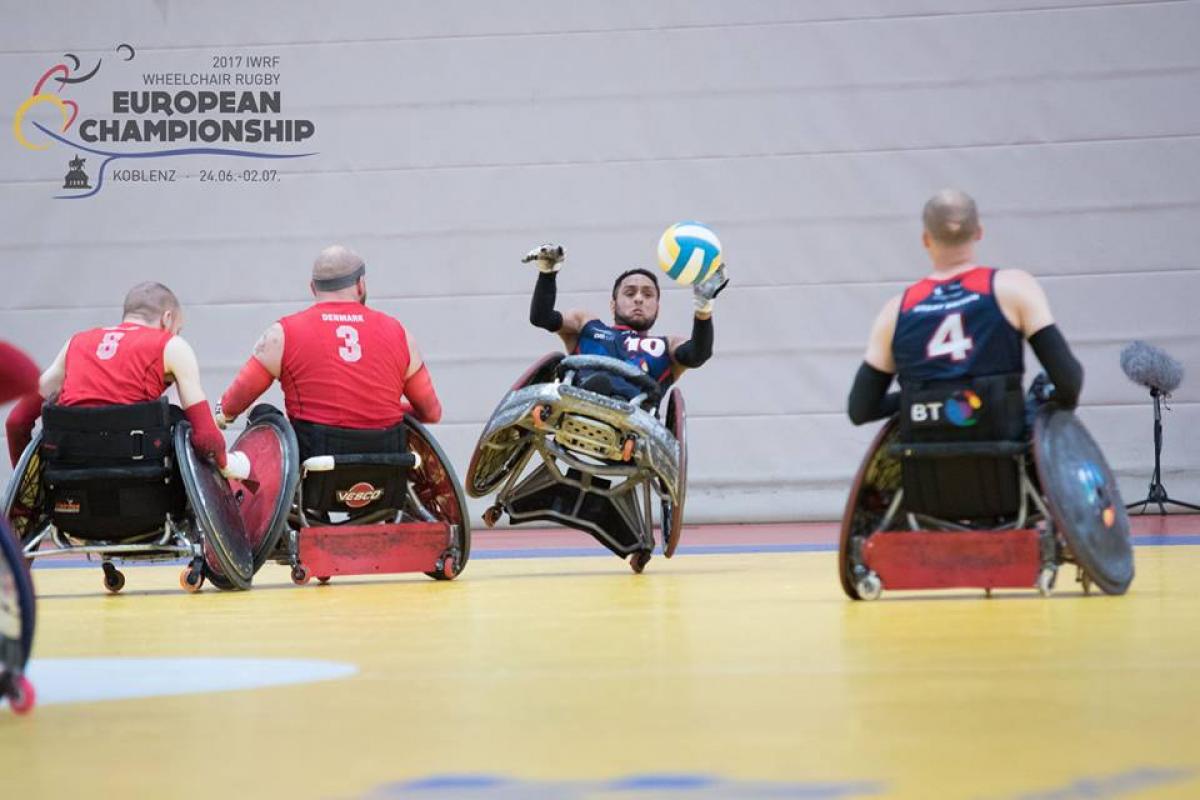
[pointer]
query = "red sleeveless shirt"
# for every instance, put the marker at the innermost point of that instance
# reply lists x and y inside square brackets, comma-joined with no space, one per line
[344,365]
[118,365]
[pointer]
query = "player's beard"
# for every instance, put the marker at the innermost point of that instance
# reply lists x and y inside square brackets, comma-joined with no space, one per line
[639,325]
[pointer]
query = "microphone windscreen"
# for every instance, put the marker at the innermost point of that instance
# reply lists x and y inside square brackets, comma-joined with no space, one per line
[1151,367]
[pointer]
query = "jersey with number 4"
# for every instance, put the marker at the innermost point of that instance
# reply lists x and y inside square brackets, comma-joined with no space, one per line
[954,328]
[118,365]
[344,365]
[650,354]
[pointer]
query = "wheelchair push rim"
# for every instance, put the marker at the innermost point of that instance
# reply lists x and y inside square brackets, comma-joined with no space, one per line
[265,499]
[856,516]
[1083,498]
[227,553]
[439,491]
[490,465]
[18,604]
[677,423]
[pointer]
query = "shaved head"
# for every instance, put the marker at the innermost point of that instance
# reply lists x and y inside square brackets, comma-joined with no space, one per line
[149,301]
[336,262]
[951,218]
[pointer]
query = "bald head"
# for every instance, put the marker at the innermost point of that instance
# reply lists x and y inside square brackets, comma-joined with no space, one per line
[951,218]
[336,262]
[149,301]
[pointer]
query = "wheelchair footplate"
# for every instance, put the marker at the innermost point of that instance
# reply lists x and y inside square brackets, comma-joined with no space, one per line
[1006,559]
[377,549]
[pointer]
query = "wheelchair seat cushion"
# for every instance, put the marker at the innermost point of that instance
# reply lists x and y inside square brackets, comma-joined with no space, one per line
[356,488]
[109,472]
[959,446]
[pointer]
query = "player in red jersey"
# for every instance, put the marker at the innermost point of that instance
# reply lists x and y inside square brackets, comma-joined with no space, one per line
[132,362]
[338,362]
[18,374]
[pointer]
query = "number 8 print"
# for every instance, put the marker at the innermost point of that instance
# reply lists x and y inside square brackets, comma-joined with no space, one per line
[350,350]
[108,345]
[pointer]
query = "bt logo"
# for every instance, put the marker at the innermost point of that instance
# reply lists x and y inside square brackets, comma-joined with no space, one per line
[959,410]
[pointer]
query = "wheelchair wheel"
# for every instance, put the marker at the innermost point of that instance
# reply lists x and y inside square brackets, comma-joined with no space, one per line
[265,500]
[492,461]
[672,512]
[874,486]
[227,552]
[438,490]
[24,498]
[18,612]
[1084,500]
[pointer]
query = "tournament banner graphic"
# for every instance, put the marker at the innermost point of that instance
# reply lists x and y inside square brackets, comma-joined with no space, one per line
[232,112]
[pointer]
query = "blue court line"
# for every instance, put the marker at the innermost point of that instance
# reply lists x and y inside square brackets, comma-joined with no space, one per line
[695,550]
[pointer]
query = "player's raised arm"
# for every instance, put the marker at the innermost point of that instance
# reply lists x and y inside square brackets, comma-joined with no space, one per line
[549,259]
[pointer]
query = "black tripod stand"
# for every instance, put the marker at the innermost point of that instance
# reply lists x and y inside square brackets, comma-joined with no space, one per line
[1158,493]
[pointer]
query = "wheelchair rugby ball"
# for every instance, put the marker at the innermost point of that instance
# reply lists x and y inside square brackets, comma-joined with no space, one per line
[689,252]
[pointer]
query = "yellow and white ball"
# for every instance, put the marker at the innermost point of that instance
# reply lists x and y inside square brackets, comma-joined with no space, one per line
[689,252]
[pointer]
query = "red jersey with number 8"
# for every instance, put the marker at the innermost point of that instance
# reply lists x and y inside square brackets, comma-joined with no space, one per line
[115,366]
[344,365]
[954,328]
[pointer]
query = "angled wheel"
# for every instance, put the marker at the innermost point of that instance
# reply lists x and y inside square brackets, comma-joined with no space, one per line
[1084,500]
[672,513]
[24,497]
[437,489]
[17,606]
[227,551]
[492,460]
[874,486]
[265,498]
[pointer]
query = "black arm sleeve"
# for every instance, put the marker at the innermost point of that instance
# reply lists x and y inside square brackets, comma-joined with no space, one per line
[695,351]
[869,399]
[1064,371]
[541,308]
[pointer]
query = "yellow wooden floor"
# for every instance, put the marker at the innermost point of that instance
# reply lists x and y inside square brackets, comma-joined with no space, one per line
[731,675]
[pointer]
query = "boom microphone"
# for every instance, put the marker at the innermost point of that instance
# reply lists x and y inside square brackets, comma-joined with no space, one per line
[1151,367]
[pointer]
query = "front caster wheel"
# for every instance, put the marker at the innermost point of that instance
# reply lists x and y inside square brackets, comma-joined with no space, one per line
[1045,581]
[191,579]
[21,695]
[114,579]
[300,575]
[869,587]
[639,560]
[492,515]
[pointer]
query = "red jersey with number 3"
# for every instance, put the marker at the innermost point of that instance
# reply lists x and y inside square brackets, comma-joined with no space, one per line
[954,328]
[115,366]
[344,365]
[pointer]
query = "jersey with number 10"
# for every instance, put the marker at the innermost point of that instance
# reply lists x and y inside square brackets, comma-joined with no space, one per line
[344,365]
[650,354]
[954,328]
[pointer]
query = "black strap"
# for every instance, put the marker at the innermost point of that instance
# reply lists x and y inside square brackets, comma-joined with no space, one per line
[333,284]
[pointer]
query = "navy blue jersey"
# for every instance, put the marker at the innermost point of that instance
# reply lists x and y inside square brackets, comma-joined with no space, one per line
[954,328]
[650,354]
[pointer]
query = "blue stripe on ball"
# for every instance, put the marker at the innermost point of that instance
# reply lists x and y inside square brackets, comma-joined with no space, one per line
[687,246]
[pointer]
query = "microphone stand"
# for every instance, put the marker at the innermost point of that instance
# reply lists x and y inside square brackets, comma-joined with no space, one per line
[1158,493]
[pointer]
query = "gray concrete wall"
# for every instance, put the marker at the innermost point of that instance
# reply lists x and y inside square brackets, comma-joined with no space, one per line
[453,136]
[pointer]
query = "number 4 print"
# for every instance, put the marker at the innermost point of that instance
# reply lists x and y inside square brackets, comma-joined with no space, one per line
[949,340]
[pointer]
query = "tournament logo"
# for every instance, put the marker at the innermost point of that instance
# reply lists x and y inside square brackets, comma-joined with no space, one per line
[962,408]
[143,118]
[359,495]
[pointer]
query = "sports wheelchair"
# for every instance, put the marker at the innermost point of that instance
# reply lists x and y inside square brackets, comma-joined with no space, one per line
[954,492]
[354,502]
[123,483]
[602,459]
[17,617]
